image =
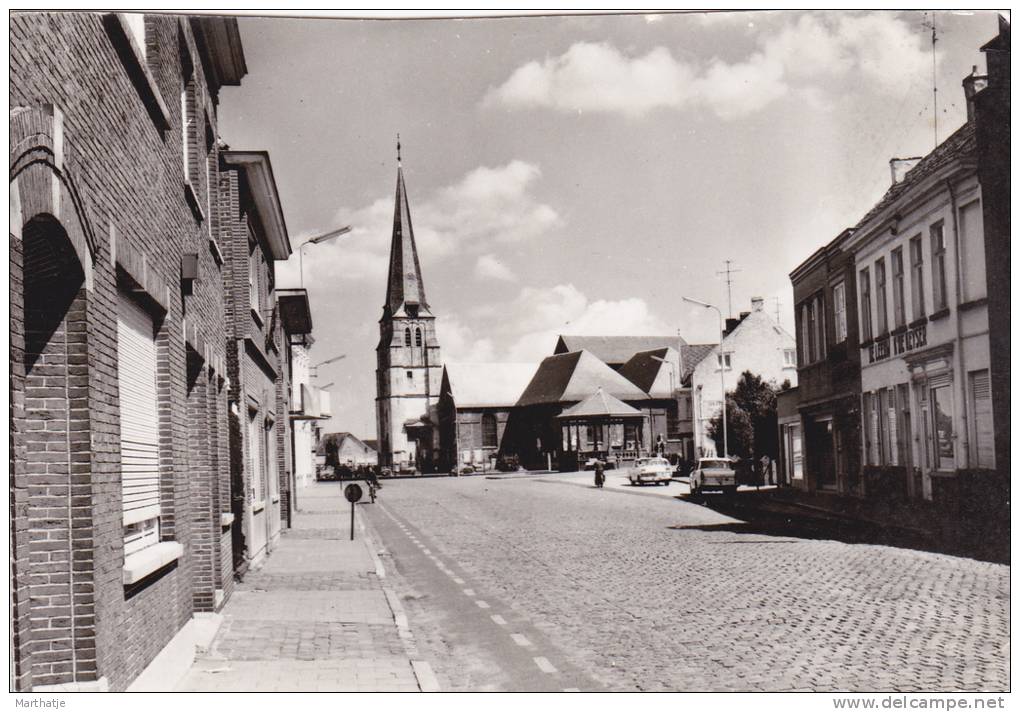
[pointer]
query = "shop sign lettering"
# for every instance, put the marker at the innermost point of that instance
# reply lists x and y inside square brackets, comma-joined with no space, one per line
[898,344]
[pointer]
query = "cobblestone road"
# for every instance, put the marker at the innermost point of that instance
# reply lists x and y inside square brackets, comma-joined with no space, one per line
[653,593]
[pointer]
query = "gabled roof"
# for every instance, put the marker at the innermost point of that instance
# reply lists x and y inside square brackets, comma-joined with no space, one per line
[602,404]
[693,354]
[488,385]
[405,285]
[340,439]
[258,174]
[615,350]
[572,377]
[959,144]
[643,368]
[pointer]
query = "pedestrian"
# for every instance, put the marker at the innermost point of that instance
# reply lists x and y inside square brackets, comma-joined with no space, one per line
[600,474]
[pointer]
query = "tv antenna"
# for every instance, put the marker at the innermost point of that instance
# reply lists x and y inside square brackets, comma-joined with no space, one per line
[930,25]
[729,282]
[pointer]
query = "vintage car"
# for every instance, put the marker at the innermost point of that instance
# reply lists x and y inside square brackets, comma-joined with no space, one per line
[656,470]
[714,473]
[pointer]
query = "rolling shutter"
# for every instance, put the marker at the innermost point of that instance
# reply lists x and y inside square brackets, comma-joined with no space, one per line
[981,395]
[139,422]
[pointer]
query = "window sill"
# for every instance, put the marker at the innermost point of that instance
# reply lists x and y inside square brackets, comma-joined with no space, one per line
[941,313]
[257,317]
[226,519]
[974,304]
[217,253]
[192,195]
[137,68]
[866,343]
[142,563]
[918,322]
[898,330]
[275,498]
[258,507]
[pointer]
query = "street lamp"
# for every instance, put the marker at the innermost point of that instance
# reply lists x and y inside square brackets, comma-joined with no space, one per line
[314,370]
[315,241]
[672,388]
[327,386]
[722,370]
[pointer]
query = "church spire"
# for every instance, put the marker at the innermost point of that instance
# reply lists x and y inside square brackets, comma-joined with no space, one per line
[405,286]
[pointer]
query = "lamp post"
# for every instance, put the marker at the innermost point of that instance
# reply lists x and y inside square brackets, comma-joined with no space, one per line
[722,370]
[315,241]
[672,389]
[323,363]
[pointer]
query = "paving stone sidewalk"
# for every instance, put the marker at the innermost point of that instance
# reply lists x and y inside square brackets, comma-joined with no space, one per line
[315,617]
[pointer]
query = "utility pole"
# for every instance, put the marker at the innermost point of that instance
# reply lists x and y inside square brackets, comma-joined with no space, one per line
[777,309]
[729,282]
[934,81]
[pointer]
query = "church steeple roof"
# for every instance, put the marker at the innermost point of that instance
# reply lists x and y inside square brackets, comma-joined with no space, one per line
[405,286]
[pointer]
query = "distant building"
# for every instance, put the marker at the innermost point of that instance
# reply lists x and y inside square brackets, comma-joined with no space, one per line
[350,450]
[474,406]
[755,343]
[615,351]
[409,370]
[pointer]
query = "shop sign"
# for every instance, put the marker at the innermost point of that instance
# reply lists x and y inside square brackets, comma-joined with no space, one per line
[898,343]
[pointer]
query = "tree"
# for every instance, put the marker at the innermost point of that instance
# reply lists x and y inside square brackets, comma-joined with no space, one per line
[752,423]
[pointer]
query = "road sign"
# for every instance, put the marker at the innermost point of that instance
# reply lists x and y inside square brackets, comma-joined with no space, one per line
[353,493]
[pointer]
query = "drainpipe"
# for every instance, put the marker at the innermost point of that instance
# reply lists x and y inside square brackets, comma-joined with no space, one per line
[960,365]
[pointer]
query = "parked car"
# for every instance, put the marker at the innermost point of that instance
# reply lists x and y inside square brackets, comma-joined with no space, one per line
[656,470]
[606,464]
[714,473]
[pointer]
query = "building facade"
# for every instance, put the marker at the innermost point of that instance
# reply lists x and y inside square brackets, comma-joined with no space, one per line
[254,236]
[119,386]
[828,373]
[755,343]
[409,370]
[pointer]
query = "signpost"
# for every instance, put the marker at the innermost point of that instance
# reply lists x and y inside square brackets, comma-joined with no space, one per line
[353,494]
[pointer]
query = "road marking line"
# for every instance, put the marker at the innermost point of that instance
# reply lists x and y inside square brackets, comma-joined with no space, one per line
[458,581]
[571,689]
[482,604]
[498,619]
[545,666]
[469,592]
[521,640]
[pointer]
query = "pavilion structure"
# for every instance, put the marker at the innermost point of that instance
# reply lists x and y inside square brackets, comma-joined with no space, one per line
[601,426]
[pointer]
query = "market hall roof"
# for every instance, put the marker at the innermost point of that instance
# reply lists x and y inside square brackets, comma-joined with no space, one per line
[405,285]
[615,350]
[487,385]
[643,369]
[600,405]
[572,377]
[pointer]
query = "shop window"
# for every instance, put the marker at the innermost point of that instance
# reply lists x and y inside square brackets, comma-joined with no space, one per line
[917,277]
[899,308]
[903,435]
[865,292]
[943,435]
[983,440]
[490,437]
[884,428]
[938,266]
[880,297]
[872,437]
[839,311]
[139,424]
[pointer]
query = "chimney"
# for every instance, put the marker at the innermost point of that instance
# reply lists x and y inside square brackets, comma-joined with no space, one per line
[972,84]
[757,303]
[898,167]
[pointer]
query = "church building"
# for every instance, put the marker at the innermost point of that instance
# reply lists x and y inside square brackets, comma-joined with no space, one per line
[409,371]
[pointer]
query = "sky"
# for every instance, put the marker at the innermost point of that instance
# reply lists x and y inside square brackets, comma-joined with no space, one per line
[580,174]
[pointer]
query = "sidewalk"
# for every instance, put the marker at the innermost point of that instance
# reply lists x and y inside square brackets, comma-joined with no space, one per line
[316,617]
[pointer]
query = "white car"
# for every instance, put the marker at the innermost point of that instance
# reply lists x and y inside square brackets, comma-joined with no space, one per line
[714,473]
[651,469]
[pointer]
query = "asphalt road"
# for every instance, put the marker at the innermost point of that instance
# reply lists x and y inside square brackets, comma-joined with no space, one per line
[546,583]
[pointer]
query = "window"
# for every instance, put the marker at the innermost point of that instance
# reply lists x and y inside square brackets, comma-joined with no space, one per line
[407,336]
[938,267]
[805,335]
[723,360]
[255,443]
[903,453]
[417,337]
[917,277]
[410,376]
[818,324]
[789,357]
[490,437]
[139,424]
[839,311]
[253,278]
[943,437]
[796,453]
[883,314]
[271,481]
[972,245]
[872,432]
[884,432]
[865,305]
[982,442]
[899,308]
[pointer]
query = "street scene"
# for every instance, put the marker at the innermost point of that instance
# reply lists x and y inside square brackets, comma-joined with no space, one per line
[575,353]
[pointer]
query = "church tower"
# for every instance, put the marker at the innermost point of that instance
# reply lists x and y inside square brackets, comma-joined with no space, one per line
[409,371]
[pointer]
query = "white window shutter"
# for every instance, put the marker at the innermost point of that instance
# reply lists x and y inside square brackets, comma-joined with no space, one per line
[984,443]
[139,422]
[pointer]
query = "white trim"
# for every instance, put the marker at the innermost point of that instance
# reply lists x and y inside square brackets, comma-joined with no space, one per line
[258,507]
[226,519]
[142,563]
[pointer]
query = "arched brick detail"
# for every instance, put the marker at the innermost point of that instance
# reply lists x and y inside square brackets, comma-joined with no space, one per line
[51,490]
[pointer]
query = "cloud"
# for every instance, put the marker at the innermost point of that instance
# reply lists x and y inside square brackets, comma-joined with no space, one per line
[459,343]
[879,49]
[485,207]
[488,267]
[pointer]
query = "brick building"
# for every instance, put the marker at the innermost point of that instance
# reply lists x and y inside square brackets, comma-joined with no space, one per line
[253,235]
[118,365]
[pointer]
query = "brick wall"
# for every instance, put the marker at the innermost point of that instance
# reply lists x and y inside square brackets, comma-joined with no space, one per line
[87,151]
